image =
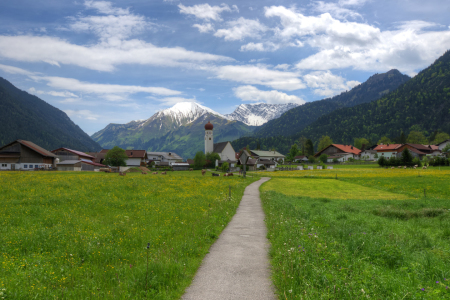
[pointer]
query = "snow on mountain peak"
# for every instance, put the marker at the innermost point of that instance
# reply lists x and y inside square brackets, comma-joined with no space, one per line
[260,113]
[186,112]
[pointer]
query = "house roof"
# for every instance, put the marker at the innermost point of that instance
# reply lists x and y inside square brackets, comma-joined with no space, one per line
[104,151]
[97,156]
[166,155]
[387,147]
[136,153]
[180,164]
[369,151]
[79,153]
[334,156]
[251,161]
[266,153]
[219,147]
[265,162]
[433,147]
[72,162]
[419,147]
[33,147]
[446,141]
[343,148]
[190,161]
[300,157]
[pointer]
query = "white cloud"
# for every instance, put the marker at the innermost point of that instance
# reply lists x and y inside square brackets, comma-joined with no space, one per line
[327,84]
[82,114]
[352,2]
[100,57]
[241,28]
[335,10]
[206,11]
[171,101]
[360,46]
[251,74]
[105,7]
[63,94]
[14,70]
[251,93]
[204,27]
[111,92]
[263,47]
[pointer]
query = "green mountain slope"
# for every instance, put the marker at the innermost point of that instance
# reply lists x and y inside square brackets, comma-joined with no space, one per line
[297,119]
[24,116]
[421,103]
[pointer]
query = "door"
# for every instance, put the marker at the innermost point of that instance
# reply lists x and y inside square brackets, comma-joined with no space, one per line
[13,167]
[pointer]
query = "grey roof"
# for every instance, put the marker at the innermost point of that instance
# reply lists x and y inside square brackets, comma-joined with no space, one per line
[180,164]
[166,155]
[446,141]
[218,147]
[267,153]
[69,162]
[369,151]
[265,162]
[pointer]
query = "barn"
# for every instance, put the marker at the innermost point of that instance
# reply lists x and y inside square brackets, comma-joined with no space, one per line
[25,155]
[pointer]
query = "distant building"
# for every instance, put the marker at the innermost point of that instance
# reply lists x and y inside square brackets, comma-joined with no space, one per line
[136,157]
[345,151]
[388,150]
[73,160]
[442,145]
[301,158]
[267,155]
[225,151]
[25,155]
[166,157]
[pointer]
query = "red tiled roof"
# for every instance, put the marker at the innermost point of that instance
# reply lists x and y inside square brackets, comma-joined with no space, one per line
[104,151]
[387,147]
[433,147]
[79,153]
[347,148]
[136,153]
[93,163]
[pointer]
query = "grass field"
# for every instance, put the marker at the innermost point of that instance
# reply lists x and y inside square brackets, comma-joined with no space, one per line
[84,235]
[371,234]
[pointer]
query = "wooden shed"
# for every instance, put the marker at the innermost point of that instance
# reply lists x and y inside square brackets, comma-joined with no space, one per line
[25,155]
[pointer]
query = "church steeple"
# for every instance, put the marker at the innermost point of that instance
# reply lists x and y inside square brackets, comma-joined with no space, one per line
[209,141]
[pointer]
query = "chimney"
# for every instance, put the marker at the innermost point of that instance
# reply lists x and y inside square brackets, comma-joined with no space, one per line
[351,147]
[388,145]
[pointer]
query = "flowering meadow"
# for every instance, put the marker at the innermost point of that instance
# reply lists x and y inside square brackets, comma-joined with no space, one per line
[85,235]
[372,233]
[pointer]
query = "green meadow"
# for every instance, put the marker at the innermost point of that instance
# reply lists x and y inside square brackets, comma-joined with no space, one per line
[370,234]
[86,235]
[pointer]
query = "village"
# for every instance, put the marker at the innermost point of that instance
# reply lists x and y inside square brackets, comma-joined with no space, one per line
[26,156]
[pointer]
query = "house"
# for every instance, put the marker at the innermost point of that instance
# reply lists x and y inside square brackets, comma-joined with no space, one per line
[225,151]
[190,161]
[340,157]
[442,145]
[25,155]
[68,154]
[267,163]
[180,166]
[301,158]
[347,151]
[231,163]
[136,157]
[158,157]
[388,150]
[98,156]
[414,152]
[368,154]
[251,163]
[78,165]
[268,155]
[435,150]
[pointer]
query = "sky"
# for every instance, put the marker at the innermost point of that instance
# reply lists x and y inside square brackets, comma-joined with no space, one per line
[107,62]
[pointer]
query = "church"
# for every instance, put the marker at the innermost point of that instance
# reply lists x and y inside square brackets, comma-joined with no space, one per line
[224,149]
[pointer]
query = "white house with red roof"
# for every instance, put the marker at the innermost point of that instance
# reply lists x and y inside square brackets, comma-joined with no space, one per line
[388,150]
[341,152]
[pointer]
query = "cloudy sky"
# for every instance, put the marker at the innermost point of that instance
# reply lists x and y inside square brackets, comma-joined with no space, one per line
[115,61]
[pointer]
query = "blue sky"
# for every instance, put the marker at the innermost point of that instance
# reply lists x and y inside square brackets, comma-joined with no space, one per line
[115,61]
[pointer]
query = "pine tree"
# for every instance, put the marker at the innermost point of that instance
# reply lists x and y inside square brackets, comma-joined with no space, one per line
[407,158]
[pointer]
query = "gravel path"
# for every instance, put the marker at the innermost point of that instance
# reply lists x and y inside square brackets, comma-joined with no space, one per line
[237,266]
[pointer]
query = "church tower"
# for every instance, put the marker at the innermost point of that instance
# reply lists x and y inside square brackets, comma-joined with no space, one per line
[209,141]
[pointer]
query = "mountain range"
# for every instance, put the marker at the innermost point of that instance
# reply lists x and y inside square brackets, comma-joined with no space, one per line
[181,128]
[420,104]
[24,116]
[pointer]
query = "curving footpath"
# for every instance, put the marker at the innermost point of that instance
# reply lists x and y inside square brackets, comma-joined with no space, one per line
[237,265]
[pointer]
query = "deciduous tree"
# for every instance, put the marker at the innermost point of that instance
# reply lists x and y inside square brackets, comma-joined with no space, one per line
[116,157]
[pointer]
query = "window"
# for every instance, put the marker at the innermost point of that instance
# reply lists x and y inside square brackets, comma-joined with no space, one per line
[25,166]
[4,165]
[209,138]
[36,166]
[382,153]
[31,166]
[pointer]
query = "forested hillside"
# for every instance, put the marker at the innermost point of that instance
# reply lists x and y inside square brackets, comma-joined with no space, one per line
[423,104]
[24,116]
[297,119]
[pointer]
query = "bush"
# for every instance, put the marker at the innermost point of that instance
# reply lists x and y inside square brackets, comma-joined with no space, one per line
[382,162]
[351,159]
[416,161]
[262,168]
[242,167]
[323,158]
[312,159]
[335,160]
[225,166]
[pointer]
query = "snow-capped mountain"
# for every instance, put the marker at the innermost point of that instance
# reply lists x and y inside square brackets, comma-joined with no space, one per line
[258,114]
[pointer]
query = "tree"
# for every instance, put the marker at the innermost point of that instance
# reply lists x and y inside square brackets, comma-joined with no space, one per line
[292,153]
[323,158]
[384,140]
[359,142]
[402,139]
[382,161]
[417,137]
[312,159]
[302,143]
[116,157]
[211,158]
[446,148]
[439,138]
[199,160]
[376,155]
[407,158]
[309,148]
[324,142]
[225,166]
